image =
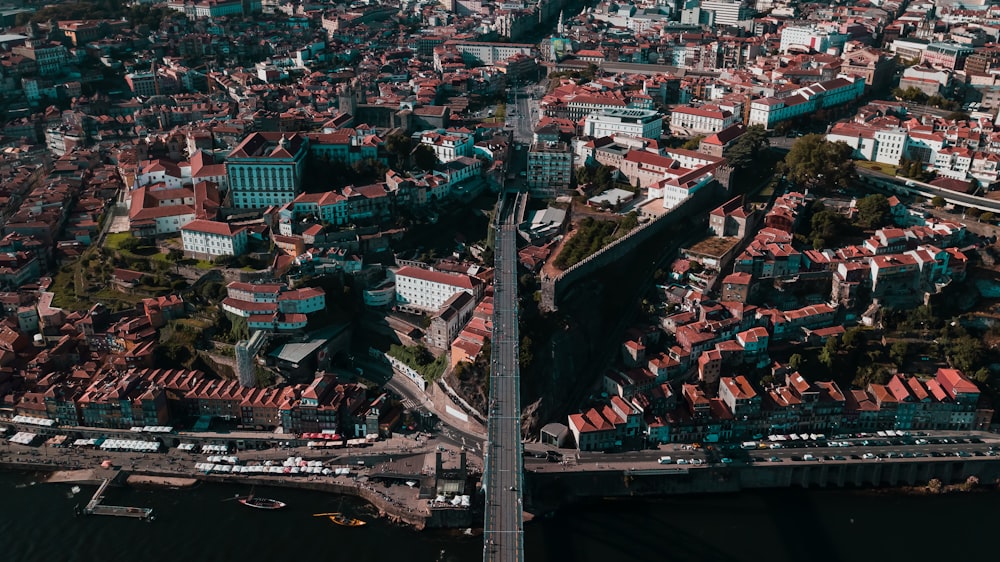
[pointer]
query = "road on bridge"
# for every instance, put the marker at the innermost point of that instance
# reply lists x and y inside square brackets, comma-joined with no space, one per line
[503,528]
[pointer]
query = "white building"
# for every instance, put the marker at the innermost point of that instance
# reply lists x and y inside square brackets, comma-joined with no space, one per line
[489,54]
[204,239]
[422,290]
[642,123]
[889,145]
[704,120]
[768,112]
[448,144]
[728,12]
[810,38]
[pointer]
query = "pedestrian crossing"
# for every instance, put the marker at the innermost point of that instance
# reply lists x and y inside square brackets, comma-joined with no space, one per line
[409,404]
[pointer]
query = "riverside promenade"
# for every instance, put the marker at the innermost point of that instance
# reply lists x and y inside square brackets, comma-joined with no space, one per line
[370,469]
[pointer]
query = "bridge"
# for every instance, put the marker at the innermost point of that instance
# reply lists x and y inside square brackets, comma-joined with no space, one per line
[503,528]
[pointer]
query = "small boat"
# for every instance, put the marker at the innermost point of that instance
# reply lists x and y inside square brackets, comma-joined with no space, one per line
[262,503]
[345,521]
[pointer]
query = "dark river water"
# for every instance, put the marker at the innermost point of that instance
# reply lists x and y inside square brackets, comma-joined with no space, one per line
[203,523]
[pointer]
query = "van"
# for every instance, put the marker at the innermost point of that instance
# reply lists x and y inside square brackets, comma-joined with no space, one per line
[808,457]
[749,445]
[666,460]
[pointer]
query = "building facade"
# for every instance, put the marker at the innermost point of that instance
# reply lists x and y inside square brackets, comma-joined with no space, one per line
[266,169]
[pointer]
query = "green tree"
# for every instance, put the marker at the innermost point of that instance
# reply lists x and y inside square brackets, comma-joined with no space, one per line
[602,177]
[399,145]
[966,353]
[873,211]
[748,148]
[898,351]
[424,158]
[986,217]
[693,143]
[815,162]
[938,201]
[912,94]
[826,225]
[829,352]
[525,356]
[795,362]
[853,337]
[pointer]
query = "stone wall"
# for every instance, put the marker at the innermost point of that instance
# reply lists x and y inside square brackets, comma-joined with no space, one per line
[554,288]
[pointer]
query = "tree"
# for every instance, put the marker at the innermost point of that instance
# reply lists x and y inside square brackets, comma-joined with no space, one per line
[938,201]
[602,177]
[873,211]
[175,255]
[898,351]
[424,157]
[829,352]
[815,162]
[912,94]
[693,143]
[795,362]
[826,225]
[748,148]
[853,337]
[399,145]
[986,217]
[966,353]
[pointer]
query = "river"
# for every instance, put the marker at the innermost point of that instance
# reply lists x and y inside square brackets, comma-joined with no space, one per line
[203,523]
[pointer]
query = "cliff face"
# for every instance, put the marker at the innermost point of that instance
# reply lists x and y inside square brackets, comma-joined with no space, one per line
[568,361]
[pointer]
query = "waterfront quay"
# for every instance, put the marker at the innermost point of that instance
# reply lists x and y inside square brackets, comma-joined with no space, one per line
[398,476]
[868,462]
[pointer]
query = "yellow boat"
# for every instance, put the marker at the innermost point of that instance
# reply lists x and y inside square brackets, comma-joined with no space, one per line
[345,521]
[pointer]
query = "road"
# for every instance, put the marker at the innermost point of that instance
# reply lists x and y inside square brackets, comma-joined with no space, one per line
[522,112]
[503,528]
[848,450]
[414,399]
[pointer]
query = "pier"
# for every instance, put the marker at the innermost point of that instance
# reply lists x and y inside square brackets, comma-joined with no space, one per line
[94,506]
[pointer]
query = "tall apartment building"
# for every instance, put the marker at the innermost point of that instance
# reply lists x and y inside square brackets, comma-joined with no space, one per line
[643,123]
[550,168]
[728,12]
[266,169]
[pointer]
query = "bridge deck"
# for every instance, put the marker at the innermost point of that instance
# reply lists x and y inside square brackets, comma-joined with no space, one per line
[503,527]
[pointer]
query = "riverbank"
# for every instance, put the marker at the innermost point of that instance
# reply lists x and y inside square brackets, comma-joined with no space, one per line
[397,504]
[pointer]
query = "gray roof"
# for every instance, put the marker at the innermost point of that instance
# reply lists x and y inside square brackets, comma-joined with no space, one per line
[297,352]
